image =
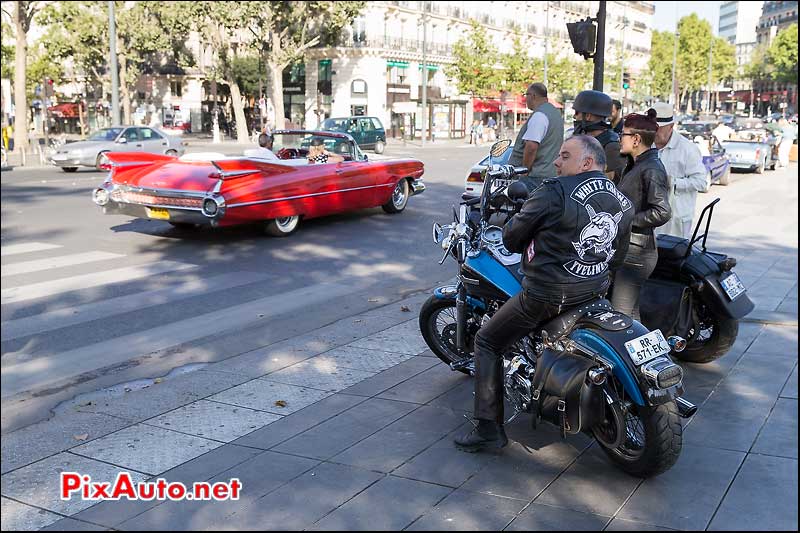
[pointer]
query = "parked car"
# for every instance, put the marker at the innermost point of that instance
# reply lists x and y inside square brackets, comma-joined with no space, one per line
[367,131]
[715,159]
[690,130]
[213,190]
[473,183]
[92,151]
[751,150]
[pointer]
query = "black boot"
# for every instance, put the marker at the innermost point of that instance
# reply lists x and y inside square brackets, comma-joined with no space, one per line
[486,434]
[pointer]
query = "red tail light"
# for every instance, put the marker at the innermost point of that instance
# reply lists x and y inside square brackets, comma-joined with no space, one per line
[106,165]
[758,152]
[475,177]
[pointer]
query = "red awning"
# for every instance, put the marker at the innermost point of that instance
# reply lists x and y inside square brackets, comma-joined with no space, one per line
[492,105]
[64,110]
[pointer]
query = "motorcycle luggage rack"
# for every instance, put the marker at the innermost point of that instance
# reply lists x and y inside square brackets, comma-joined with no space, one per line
[704,236]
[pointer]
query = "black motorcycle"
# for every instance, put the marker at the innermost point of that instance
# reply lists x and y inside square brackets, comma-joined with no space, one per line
[693,293]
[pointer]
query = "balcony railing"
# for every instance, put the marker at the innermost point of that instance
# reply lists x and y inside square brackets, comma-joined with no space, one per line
[395,43]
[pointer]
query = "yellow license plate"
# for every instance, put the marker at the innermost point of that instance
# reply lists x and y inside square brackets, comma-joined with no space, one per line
[160,214]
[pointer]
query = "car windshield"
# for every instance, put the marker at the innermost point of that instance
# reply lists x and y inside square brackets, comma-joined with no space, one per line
[302,141]
[335,124]
[106,134]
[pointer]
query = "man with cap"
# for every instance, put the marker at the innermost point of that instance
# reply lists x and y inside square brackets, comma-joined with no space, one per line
[592,109]
[684,164]
[540,139]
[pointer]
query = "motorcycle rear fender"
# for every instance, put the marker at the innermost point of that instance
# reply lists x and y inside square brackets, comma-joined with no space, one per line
[705,266]
[611,346]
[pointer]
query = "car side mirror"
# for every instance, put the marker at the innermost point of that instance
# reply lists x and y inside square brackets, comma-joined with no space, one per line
[122,140]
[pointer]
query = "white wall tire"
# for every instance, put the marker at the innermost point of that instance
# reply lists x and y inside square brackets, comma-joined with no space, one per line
[282,227]
[399,198]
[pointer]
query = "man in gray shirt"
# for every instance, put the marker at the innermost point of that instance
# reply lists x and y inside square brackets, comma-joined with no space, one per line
[539,141]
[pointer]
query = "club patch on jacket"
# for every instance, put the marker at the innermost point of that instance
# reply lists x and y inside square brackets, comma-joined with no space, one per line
[595,244]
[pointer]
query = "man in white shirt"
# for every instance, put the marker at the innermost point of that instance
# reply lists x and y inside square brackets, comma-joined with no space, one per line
[264,151]
[684,165]
[722,132]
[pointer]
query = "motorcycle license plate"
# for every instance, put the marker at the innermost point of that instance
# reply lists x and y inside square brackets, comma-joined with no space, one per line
[647,347]
[157,213]
[732,286]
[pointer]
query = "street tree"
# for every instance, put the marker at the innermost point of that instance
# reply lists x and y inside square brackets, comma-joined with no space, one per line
[693,49]
[519,69]
[476,58]
[7,65]
[283,32]
[659,68]
[782,55]
[22,14]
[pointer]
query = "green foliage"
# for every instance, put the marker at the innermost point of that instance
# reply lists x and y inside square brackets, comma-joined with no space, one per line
[7,51]
[247,71]
[693,49]
[77,31]
[723,61]
[566,77]
[758,68]
[41,65]
[519,69]
[782,55]
[475,59]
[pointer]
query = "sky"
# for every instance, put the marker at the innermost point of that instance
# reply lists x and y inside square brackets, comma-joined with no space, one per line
[665,19]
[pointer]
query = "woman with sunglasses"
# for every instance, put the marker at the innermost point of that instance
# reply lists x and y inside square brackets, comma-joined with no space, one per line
[645,183]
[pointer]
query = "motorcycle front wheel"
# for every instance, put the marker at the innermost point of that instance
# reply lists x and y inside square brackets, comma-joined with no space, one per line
[652,442]
[713,340]
[437,323]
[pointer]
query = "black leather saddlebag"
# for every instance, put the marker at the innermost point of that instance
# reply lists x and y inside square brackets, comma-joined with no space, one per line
[563,395]
[666,305]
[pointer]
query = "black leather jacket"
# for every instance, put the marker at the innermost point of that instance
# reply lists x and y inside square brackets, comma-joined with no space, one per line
[645,182]
[615,162]
[570,232]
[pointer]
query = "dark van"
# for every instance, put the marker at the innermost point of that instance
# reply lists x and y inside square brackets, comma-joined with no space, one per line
[367,131]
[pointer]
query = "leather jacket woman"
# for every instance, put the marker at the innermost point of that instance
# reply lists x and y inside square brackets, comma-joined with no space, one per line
[646,184]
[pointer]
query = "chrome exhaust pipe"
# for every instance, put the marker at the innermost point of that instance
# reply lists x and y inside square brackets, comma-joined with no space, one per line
[685,408]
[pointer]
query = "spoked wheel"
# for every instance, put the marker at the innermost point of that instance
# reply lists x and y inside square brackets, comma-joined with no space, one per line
[711,338]
[652,441]
[282,227]
[399,198]
[437,322]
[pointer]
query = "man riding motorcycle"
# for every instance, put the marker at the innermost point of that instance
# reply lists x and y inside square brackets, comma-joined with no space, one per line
[592,109]
[580,224]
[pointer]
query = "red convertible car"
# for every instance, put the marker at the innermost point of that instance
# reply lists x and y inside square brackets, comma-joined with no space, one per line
[217,190]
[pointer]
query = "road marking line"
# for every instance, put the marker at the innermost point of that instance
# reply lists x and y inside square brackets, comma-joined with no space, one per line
[35,374]
[26,247]
[85,281]
[61,261]
[70,316]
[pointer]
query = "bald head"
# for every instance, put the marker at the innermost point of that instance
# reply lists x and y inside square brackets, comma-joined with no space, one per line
[580,153]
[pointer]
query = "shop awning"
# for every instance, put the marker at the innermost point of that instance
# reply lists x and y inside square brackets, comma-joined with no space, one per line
[492,105]
[64,110]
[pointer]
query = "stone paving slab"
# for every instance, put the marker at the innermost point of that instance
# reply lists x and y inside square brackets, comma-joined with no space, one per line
[202,468]
[463,510]
[70,524]
[763,497]
[344,430]
[618,524]
[17,516]
[685,496]
[426,386]
[262,395]
[213,420]
[53,436]
[391,377]
[362,359]
[779,435]
[391,504]
[776,340]
[402,338]
[304,500]
[790,389]
[259,476]
[146,449]
[321,374]
[538,517]
[38,484]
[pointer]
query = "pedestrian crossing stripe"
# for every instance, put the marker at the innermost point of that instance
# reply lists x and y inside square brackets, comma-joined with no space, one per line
[26,247]
[38,265]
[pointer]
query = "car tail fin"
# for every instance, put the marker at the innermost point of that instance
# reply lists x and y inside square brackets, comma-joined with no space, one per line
[235,168]
[114,160]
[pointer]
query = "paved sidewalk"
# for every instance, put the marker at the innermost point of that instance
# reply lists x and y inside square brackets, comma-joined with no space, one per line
[351,427]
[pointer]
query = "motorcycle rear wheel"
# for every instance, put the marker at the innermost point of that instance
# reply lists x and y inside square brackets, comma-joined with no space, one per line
[709,347]
[437,323]
[653,441]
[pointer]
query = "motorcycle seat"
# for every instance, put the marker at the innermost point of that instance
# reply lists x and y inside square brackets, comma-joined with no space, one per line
[565,322]
[671,248]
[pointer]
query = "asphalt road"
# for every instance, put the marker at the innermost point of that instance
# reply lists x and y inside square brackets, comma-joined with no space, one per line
[92,301]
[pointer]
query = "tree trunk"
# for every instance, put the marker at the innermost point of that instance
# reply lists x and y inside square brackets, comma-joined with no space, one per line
[238,111]
[124,90]
[276,90]
[20,74]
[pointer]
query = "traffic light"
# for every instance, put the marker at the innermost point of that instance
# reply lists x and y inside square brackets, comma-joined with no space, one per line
[626,80]
[583,36]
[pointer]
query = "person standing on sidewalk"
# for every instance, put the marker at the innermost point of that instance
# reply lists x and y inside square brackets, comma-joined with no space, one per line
[539,140]
[616,117]
[645,183]
[592,109]
[566,269]
[685,169]
[787,139]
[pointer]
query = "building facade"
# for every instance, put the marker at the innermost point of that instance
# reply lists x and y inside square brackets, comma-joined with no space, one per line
[737,24]
[377,67]
[775,16]
[774,96]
